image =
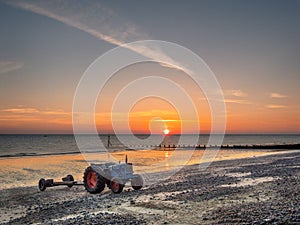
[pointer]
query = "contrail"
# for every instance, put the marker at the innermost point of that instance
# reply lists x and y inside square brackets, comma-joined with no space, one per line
[98,21]
[93,18]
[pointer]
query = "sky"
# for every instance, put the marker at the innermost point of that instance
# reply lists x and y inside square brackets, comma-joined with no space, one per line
[252,47]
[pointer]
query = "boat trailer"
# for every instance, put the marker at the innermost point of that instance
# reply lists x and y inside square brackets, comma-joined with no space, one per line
[66,181]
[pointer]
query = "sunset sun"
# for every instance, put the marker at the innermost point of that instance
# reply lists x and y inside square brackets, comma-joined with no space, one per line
[166,131]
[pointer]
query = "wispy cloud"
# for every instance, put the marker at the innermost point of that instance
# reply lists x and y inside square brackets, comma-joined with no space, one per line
[277,95]
[19,119]
[30,111]
[236,93]
[153,114]
[236,97]
[272,106]
[237,101]
[98,21]
[9,66]
[21,110]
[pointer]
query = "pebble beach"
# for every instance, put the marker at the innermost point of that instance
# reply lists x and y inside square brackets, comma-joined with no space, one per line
[254,190]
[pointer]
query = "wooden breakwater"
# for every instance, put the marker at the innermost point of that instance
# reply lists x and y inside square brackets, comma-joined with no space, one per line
[172,147]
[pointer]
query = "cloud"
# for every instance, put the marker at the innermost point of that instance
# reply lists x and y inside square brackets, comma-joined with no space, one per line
[153,114]
[277,95]
[21,110]
[236,97]
[236,93]
[271,106]
[30,111]
[237,101]
[98,21]
[9,66]
[30,116]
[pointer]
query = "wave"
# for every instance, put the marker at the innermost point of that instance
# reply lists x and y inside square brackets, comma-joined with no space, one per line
[22,154]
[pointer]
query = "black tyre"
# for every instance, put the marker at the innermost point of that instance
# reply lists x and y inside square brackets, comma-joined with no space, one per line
[137,182]
[93,181]
[42,184]
[116,185]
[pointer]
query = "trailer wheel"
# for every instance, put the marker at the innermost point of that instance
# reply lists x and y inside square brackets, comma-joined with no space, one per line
[116,185]
[137,182]
[93,181]
[42,184]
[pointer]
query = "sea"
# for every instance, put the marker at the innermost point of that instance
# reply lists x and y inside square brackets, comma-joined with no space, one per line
[24,159]
[30,145]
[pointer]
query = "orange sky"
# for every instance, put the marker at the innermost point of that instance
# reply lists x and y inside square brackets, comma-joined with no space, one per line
[255,121]
[246,113]
[156,114]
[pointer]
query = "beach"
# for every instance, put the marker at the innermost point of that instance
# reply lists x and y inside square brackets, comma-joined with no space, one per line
[27,170]
[251,190]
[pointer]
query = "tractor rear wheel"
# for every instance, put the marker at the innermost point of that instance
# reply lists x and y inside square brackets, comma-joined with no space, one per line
[93,181]
[116,185]
[137,182]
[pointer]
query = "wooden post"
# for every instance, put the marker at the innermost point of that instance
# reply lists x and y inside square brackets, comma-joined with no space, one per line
[108,141]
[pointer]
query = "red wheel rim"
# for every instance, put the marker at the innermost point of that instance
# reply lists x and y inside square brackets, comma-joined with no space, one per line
[115,186]
[92,179]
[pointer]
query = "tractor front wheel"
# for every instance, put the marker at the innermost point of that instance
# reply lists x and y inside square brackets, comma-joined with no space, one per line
[116,185]
[93,181]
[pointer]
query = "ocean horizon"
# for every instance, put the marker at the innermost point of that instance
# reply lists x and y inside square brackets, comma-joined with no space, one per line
[13,145]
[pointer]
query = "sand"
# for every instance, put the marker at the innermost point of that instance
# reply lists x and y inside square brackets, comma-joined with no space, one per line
[252,190]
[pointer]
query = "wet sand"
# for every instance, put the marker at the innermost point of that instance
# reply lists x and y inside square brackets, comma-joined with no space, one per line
[253,190]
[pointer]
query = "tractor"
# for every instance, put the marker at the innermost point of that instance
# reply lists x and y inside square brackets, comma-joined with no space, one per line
[97,176]
[113,175]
